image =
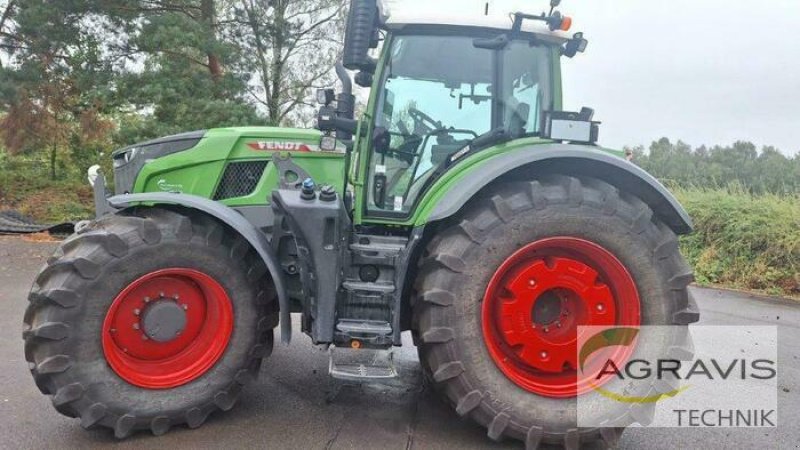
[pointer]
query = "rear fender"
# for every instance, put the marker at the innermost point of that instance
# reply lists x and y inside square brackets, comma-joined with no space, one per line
[566,160]
[233,219]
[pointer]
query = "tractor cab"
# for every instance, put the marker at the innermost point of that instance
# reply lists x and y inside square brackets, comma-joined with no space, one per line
[440,94]
[444,88]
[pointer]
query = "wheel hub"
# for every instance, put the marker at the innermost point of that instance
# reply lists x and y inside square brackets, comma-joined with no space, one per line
[539,297]
[167,328]
[548,309]
[163,320]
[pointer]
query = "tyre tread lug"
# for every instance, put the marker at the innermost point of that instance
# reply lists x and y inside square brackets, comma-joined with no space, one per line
[438,297]
[195,417]
[448,371]
[51,331]
[572,439]
[534,438]
[469,402]
[68,394]
[610,436]
[160,425]
[498,426]
[93,415]
[438,335]
[53,364]
[224,400]
[123,427]
[502,209]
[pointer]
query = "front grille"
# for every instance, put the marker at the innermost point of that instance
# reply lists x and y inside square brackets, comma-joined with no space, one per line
[240,179]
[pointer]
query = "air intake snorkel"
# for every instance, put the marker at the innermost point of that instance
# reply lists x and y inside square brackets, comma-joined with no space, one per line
[345,101]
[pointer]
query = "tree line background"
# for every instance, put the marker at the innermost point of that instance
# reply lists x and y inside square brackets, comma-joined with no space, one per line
[79,78]
[764,171]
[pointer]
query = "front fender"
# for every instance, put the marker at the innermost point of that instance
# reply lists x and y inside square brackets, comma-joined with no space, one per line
[568,160]
[233,219]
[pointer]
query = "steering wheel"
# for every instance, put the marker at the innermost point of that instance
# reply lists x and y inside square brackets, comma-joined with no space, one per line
[423,120]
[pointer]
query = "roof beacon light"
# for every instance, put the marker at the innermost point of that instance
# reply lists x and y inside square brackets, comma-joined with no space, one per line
[566,23]
[554,20]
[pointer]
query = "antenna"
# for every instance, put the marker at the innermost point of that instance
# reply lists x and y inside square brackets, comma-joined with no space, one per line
[486,11]
[553,5]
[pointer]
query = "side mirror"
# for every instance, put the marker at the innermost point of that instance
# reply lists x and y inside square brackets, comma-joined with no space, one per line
[364,79]
[381,140]
[360,35]
[572,126]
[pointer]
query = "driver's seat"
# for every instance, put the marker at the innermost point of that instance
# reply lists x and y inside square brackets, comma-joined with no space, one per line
[517,119]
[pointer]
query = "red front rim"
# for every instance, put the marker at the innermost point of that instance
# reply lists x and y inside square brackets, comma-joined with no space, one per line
[535,303]
[167,328]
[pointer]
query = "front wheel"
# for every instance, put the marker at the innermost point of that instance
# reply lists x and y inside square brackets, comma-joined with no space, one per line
[149,319]
[501,294]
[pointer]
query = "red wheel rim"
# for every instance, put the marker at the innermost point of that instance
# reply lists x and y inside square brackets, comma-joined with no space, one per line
[138,351]
[535,303]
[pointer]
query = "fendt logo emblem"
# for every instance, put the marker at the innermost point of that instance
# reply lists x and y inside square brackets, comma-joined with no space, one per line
[277,146]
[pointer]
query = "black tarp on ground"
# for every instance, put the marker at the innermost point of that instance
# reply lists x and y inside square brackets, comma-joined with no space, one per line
[12,222]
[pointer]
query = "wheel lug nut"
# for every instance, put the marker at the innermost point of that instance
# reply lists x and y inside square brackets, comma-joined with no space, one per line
[161,294]
[531,282]
[176,297]
[546,330]
[137,311]
[558,324]
[144,337]
[543,355]
[185,307]
[600,307]
[147,299]
[136,326]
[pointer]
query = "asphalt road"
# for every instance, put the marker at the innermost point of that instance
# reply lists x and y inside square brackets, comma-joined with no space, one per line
[287,407]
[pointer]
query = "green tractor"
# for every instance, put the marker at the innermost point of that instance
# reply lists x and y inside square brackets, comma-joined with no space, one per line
[464,205]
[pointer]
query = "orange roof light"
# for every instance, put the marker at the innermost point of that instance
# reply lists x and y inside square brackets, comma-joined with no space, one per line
[566,23]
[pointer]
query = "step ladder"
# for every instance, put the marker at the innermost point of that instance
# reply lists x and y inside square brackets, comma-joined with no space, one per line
[361,364]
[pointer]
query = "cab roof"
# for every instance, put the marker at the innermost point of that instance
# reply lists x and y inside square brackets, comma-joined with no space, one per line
[399,20]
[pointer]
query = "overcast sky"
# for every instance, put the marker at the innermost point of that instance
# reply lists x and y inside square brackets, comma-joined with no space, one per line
[703,71]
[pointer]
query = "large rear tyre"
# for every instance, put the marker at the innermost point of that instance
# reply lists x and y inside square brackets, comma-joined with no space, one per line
[500,294]
[149,319]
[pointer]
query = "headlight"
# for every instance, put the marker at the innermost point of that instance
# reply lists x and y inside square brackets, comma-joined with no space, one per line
[124,157]
[157,148]
[129,161]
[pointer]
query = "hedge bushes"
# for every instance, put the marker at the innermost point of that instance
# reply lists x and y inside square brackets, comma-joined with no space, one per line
[744,241]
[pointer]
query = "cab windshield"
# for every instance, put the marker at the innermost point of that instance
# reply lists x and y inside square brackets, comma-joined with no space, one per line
[439,93]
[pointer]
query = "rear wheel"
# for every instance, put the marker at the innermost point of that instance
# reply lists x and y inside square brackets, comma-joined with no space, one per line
[149,319]
[500,295]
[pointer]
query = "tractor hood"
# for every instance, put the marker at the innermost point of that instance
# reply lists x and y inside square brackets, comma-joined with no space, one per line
[193,162]
[214,144]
